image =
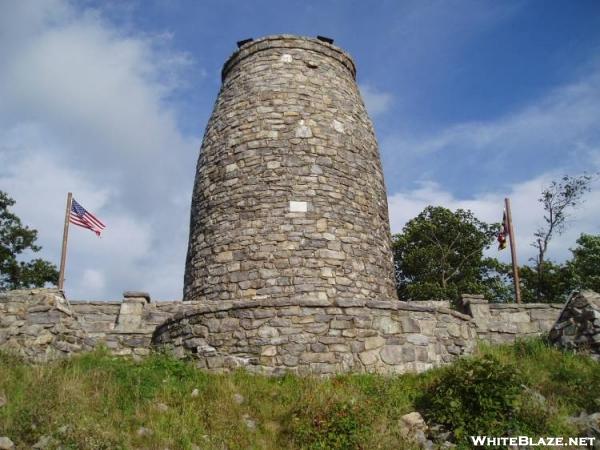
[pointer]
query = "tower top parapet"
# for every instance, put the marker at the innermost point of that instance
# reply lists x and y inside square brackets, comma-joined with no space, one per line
[284,42]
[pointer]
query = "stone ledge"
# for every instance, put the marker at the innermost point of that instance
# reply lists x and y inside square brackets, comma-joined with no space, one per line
[95,302]
[313,303]
[127,295]
[525,305]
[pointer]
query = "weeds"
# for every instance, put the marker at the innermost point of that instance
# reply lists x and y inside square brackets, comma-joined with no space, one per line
[97,401]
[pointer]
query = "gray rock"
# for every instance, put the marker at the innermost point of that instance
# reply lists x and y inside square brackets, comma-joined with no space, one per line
[43,443]
[413,421]
[392,354]
[577,327]
[412,427]
[161,407]
[535,395]
[588,425]
[417,339]
[249,422]
[6,443]
[143,432]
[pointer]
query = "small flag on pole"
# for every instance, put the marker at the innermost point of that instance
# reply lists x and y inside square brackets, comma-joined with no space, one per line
[504,232]
[80,217]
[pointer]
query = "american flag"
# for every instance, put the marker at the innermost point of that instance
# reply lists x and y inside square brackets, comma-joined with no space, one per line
[79,216]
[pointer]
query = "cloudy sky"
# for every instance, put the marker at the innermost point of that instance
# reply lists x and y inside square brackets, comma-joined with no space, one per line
[472,101]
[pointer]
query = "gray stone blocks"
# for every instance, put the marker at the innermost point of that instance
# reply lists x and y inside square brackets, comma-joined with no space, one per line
[289,198]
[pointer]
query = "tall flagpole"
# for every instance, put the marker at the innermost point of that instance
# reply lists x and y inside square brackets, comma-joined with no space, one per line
[513,250]
[63,256]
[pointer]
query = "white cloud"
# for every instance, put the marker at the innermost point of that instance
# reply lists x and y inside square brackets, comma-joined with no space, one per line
[376,101]
[94,281]
[488,206]
[538,143]
[559,129]
[85,109]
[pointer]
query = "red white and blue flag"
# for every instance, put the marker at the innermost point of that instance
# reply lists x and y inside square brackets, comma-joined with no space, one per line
[504,233]
[80,217]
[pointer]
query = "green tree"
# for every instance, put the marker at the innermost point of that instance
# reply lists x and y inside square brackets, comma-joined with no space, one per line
[439,255]
[14,240]
[586,262]
[557,199]
[498,281]
[554,286]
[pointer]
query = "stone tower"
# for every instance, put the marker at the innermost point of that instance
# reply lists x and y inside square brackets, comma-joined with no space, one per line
[289,200]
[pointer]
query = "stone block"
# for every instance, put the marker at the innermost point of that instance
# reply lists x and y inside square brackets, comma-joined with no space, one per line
[374,342]
[417,339]
[519,317]
[386,325]
[137,295]
[318,347]
[43,339]
[392,354]
[229,324]
[544,314]
[453,330]
[327,357]
[341,324]
[427,327]
[342,348]
[225,256]
[528,327]
[316,328]
[268,332]
[289,360]
[410,325]
[421,354]
[408,354]
[269,350]
[369,358]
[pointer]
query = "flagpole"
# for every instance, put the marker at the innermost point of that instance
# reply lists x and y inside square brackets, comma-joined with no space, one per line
[63,256]
[513,251]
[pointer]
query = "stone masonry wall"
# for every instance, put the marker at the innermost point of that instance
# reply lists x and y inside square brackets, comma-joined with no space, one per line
[501,323]
[39,325]
[289,199]
[578,326]
[268,335]
[274,336]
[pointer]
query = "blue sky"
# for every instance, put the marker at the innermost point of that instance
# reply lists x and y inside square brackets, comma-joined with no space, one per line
[472,101]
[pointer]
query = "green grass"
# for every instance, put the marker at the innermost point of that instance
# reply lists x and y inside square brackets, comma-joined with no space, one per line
[96,401]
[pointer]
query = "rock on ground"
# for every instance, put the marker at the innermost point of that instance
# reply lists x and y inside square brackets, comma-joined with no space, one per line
[6,443]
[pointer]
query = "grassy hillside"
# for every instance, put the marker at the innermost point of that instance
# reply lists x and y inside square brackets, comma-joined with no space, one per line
[97,401]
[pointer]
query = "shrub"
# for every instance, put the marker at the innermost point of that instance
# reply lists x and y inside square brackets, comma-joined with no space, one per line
[475,396]
[333,425]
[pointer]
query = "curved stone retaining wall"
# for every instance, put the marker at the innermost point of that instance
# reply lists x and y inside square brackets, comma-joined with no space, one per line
[273,336]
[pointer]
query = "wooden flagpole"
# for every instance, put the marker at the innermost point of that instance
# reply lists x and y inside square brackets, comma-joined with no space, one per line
[63,256]
[513,250]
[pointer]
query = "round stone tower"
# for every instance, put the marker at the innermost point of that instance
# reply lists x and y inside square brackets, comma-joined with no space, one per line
[289,200]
